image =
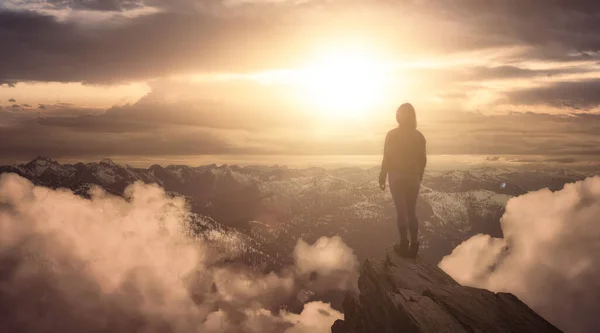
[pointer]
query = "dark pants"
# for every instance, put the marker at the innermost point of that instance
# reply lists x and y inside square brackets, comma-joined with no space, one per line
[405,191]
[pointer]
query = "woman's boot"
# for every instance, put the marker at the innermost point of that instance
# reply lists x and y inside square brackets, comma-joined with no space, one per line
[413,250]
[401,248]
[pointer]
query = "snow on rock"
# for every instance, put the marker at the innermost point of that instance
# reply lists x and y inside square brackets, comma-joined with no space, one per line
[41,164]
[447,207]
[108,161]
[107,175]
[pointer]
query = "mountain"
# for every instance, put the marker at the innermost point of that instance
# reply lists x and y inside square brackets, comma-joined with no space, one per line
[273,206]
[404,295]
[78,177]
[502,180]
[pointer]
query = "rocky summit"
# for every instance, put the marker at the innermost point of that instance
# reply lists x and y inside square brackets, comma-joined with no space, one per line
[406,295]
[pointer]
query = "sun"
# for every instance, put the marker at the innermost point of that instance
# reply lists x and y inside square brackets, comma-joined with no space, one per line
[346,83]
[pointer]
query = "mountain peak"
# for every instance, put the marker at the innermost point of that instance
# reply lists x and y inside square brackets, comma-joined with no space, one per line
[42,158]
[107,161]
[403,295]
[40,164]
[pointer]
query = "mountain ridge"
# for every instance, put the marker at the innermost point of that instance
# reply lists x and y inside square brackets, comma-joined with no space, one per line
[291,203]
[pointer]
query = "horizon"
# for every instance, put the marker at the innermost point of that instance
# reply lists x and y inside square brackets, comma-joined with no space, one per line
[586,164]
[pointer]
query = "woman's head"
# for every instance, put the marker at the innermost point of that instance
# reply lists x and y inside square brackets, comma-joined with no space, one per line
[406,117]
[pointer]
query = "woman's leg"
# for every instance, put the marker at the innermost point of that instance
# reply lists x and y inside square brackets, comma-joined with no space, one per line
[399,197]
[412,194]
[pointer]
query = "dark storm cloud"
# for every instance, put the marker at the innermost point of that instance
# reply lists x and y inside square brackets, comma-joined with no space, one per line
[26,140]
[25,32]
[195,36]
[152,126]
[102,5]
[459,81]
[115,132]
[515,133]
[550,26]
[190,108]
[186,36]
[572,94]
[44,49]
[142,117]
[510,72]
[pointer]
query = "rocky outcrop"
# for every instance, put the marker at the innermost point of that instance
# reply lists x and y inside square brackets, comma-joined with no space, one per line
[403,295]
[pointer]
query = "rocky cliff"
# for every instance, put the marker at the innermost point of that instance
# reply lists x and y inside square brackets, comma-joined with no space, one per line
[403,295]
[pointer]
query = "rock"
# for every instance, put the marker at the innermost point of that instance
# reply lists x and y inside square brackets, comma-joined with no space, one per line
[404,295]
[340,326]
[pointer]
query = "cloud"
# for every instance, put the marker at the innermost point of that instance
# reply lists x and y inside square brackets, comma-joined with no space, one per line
[328,258]
[471,74]
[505,134]
[548,257]
[158,124]
[155,127]
[101,5]
[44,48]
[180,103]
[28,140]
[581,95]
[130,264]
[315,318]
[191,36]
[173,119]
[549,29]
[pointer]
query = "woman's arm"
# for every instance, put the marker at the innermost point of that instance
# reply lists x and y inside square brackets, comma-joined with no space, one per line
[422,157]
[384,162]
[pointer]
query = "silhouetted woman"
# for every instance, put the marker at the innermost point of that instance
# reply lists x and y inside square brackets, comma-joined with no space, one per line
[404,160]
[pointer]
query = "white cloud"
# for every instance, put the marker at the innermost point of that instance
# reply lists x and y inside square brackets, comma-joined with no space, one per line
[549,257]
[333,262]
[130,264]
[316,317]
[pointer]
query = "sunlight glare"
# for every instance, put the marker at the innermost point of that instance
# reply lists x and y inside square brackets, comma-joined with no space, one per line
[347,84]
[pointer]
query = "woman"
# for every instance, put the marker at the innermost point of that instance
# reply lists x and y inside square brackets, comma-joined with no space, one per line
[404,160]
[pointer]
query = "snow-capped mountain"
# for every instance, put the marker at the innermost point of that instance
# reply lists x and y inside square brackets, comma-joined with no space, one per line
[261,211]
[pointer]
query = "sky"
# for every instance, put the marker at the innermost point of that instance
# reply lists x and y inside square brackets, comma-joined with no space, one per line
[84,78]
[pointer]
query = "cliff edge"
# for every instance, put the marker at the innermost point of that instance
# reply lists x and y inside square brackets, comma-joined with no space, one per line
[407,295]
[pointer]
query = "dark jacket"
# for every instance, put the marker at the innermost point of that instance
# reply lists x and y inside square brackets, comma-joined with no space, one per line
[404,152]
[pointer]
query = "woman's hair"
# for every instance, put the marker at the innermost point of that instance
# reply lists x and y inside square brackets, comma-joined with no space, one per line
[406,117]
